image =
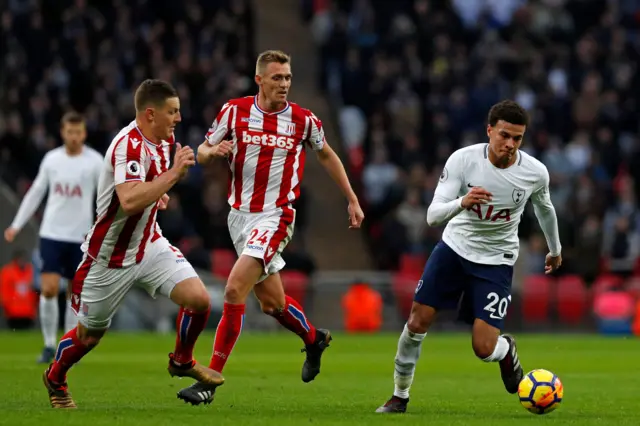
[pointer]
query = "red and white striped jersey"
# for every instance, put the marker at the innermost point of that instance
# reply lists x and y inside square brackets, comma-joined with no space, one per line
[267,162]
[117,240]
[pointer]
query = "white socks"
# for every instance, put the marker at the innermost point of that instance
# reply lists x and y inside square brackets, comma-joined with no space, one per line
[409,346]
[70,319]
[49,320]
[500,351]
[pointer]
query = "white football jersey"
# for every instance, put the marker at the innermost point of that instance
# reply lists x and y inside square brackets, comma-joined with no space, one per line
[71,183]
[488,234]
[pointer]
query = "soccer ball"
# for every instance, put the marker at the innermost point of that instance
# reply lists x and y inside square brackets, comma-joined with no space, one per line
[540,391]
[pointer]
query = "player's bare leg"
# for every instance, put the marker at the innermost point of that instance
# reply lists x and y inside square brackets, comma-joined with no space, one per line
[409,347]
[49,314]
[490,346]
[245,273]
[72,347]
[290,315]
[195,307]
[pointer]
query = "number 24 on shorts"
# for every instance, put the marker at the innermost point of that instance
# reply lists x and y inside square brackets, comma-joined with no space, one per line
[262,239]
[499,311]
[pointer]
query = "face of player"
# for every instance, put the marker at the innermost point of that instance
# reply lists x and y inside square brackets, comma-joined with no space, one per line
[73,136]
[275,83]
[164,119]
[504,141]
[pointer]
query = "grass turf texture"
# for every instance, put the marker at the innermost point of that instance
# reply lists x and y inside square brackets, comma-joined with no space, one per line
[124,381]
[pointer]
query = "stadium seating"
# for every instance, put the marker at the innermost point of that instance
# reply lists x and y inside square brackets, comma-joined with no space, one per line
[572,299]
[412,264]
[536,295]
[605,282]
[632,286]
[403,287]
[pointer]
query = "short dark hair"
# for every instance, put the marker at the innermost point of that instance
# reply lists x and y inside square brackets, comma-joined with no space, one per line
[72,117]
[508,111]
[154,92]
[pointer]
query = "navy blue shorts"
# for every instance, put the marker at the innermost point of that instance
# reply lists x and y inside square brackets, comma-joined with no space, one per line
[60,257]
[478,291]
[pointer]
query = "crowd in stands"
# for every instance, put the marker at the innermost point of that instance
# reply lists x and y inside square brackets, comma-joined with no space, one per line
[413,80]
[91,55]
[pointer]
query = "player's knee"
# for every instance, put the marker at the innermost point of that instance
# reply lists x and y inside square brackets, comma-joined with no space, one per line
[233,293]
[49,285]
[200,301]
[90,337]
[420,318]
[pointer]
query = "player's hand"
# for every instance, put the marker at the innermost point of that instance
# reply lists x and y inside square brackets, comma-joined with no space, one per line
[477,195]
[183,159]
[163,202]
[223,149]
[356,215]
[10,234]
[552,263]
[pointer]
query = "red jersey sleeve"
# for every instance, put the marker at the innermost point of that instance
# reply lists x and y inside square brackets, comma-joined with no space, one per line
[316,132]
[221,126]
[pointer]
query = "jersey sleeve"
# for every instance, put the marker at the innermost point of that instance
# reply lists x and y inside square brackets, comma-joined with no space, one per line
[221,126]
[128,161]
[546,214]
[34,195]
[446,204]
[452,177]
[541,197]
[316,133]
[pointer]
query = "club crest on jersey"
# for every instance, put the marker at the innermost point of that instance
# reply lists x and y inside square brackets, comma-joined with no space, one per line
[291,129]
[517,195]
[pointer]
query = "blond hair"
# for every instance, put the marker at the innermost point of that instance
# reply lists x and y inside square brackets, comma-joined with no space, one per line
[269,56]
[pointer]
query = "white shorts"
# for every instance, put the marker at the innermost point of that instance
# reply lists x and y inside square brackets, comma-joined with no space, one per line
[98,290]
[263,235]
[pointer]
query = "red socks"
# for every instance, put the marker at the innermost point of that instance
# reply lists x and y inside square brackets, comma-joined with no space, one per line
[292,318]
[70,350]
[227,334]
[189,325]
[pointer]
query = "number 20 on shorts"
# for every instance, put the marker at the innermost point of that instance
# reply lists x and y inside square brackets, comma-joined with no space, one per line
[497,307]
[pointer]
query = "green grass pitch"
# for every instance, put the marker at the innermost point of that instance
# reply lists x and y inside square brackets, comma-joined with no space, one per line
[125,382]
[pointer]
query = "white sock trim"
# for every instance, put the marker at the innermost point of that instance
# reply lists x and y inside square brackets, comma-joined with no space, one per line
[500,351]
[418,337]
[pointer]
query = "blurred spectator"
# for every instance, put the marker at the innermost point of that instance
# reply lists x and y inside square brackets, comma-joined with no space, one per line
[17,295]
[424,74]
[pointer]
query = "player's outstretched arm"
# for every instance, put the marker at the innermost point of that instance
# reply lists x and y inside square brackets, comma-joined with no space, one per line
[215,145]
[546,215]
[135,196]
[333,165]
[208,152]
[30,202]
